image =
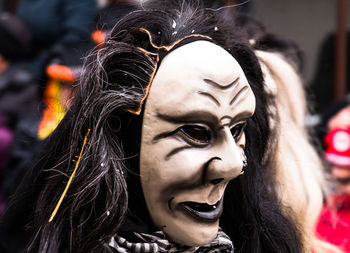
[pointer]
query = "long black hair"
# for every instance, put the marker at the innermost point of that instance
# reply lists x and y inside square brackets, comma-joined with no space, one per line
[114,82]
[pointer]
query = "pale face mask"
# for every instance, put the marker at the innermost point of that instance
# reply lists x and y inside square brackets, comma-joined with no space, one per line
[193,141]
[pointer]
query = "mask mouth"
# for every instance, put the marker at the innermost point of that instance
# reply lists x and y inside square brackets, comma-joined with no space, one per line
[203,211]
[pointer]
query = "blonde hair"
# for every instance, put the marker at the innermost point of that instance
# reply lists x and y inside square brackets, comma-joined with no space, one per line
[298,168]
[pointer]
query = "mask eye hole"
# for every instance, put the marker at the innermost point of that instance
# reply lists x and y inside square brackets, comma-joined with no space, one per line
[237,130]
[196,133]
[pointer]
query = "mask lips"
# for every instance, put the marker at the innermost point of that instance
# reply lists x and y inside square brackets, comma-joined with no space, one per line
[203,211]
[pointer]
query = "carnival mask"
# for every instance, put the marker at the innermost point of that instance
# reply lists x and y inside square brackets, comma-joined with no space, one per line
[193,139]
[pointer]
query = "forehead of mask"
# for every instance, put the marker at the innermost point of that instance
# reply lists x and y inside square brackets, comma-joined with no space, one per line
[201,84]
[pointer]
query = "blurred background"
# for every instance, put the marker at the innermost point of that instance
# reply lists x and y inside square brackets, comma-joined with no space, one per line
[313,25]
[309,23]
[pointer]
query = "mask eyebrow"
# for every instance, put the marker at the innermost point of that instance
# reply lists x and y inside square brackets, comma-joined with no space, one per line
[238,95]
[221,86]
[210,96]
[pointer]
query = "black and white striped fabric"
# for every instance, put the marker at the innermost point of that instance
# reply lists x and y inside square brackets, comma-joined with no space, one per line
[157,242]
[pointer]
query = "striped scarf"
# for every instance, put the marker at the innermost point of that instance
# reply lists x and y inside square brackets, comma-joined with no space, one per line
[157,242]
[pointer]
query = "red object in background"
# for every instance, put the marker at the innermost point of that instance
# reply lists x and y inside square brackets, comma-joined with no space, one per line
[338,147]
[61,72]
[98,36]
[334,223]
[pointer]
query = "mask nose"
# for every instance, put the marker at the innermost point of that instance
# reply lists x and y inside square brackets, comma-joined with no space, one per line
[227,161]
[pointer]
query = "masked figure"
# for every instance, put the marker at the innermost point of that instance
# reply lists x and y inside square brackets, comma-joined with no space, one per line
[163,147]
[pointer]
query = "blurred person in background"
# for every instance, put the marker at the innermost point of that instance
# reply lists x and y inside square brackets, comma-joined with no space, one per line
[14,77]
[19,93]
[29,41]
[63,74]
[334,223]
[338,155]
[25,43]
[292,156]
[321,85]
[54,23]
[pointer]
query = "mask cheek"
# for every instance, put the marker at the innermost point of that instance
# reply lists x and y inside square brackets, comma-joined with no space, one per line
[186,167]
